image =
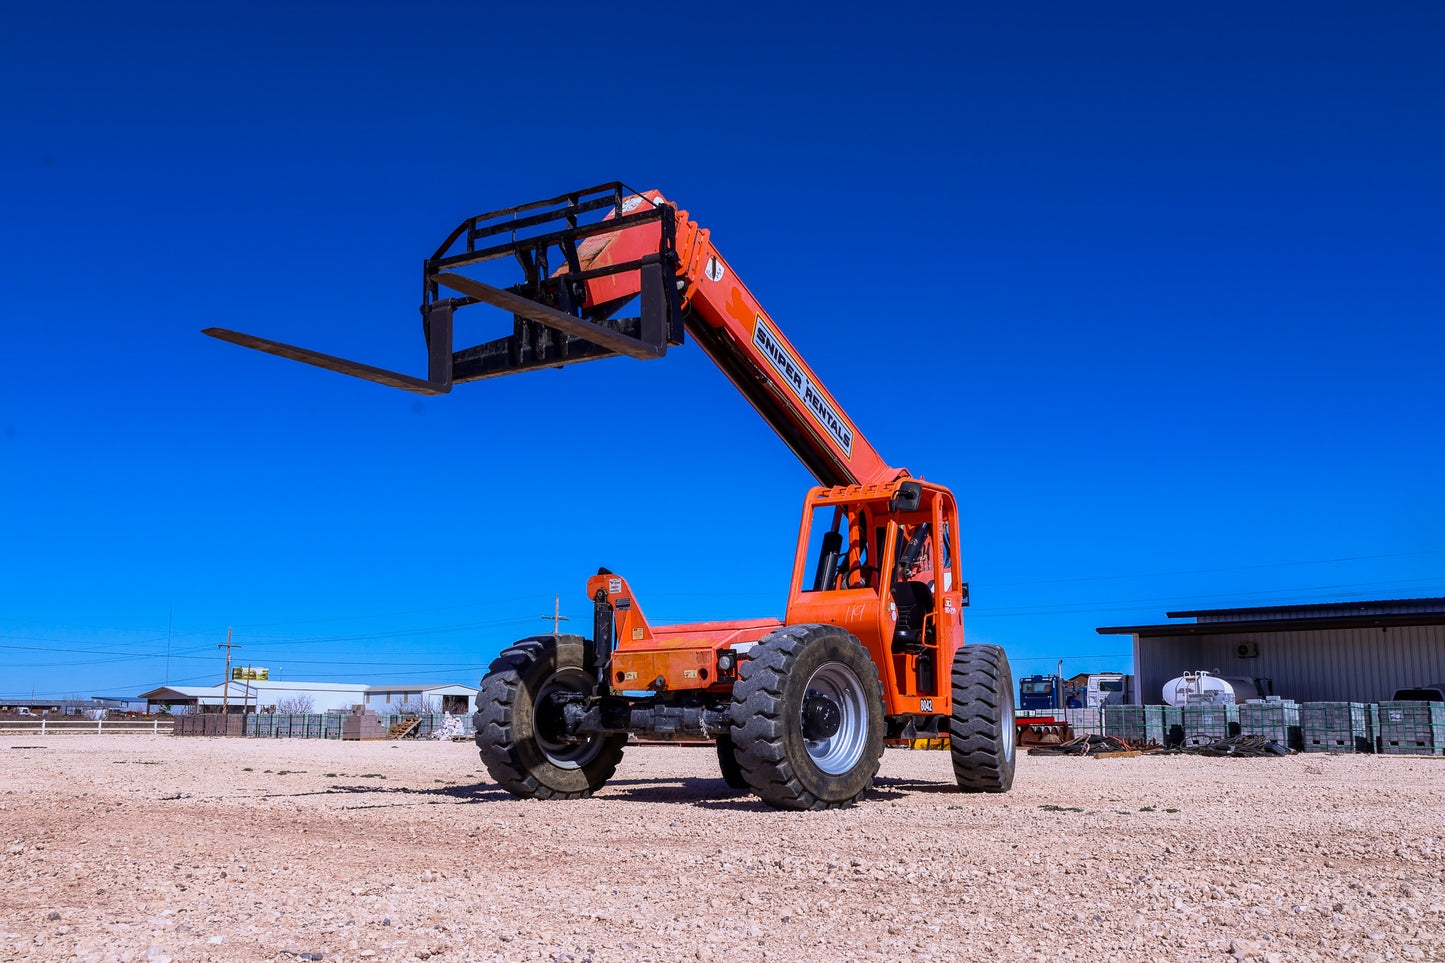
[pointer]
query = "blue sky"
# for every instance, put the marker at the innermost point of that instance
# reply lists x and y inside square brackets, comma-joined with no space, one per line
[1156,289]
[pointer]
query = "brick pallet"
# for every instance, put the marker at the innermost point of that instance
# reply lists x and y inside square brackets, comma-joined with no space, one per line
[1410,728]
[1277,721]
[1337,727]
[209,724]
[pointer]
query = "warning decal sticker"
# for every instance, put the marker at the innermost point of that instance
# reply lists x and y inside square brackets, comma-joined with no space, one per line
[791,372]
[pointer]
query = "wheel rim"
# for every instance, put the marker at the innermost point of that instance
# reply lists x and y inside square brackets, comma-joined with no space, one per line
[839,685]
[546,727]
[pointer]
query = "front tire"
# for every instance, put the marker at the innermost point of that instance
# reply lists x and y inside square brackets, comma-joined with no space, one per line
[807,718]
[518,731]
[982,735]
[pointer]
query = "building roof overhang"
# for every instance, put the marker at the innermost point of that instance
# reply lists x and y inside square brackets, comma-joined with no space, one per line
[1279,625]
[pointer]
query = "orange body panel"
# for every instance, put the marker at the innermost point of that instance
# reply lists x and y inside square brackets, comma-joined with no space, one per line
[668,657]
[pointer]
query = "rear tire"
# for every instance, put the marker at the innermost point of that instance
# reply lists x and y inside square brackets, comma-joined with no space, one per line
[982,735]
[807,718]
[518,737]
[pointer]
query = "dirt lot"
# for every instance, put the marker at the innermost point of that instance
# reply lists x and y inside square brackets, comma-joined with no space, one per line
[156,848]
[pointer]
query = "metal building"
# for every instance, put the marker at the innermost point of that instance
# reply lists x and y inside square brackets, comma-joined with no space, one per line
[1336,652]
[324,696]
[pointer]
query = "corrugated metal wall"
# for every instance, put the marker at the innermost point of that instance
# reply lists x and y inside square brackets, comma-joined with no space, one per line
[1323,665]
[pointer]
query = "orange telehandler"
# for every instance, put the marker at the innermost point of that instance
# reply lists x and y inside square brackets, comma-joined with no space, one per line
[870,650]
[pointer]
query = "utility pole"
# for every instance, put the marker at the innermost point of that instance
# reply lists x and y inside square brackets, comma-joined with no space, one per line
[557,617]
[226,693]
[170,622]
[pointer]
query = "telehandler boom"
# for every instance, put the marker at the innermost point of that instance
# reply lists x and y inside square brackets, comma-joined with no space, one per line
[870,649]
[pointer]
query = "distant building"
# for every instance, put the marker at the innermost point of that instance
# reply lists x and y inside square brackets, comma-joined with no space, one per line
[324,696]
[1331,652]
[37,707]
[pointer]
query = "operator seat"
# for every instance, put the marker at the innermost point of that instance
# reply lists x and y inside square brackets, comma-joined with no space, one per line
[914,601]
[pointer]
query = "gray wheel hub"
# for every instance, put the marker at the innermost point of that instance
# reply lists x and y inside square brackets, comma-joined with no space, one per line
[834,718]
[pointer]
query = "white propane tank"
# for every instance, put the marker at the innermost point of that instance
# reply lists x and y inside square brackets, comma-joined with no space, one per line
[1205,687]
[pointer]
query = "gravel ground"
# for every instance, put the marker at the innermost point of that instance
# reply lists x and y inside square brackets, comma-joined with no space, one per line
[152,848]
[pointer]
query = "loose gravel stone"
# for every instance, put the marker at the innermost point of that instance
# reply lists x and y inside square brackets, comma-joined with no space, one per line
[204,854]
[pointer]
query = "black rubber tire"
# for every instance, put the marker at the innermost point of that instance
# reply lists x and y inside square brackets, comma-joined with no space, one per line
[767,725]
[506,725]
[981,733]
[727,760]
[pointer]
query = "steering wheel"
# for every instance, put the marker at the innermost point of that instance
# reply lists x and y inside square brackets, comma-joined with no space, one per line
[859,567]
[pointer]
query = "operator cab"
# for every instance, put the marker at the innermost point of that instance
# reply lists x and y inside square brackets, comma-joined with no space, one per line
[880,562]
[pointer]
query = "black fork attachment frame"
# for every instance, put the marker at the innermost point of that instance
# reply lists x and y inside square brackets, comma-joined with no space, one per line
[553,322]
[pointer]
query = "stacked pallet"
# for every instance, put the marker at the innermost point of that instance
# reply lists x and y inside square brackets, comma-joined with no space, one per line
[209,724]
[1411,728]
[1084,721]
[277,725]
[1205,723]
[1337,727]
[1277,720]
[1137,725]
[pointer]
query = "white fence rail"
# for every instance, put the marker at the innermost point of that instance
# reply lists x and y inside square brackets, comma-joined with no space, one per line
[86,727]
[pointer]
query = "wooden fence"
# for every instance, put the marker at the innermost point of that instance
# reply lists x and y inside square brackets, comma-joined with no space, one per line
[69,725]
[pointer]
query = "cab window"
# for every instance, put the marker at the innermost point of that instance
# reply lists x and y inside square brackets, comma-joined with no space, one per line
[839,548]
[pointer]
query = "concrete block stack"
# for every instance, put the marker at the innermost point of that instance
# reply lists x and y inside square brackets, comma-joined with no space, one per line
[1085,722]
[1337,727]
[1277,720]
[1411,728]
[209,724]
[1139,726]
[363,724]
[1204,723]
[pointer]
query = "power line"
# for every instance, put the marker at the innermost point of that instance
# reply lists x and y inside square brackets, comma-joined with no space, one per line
[1276,595]
[129,655]
[128,685]
[1055,658]
[439,630]
[1232,568]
